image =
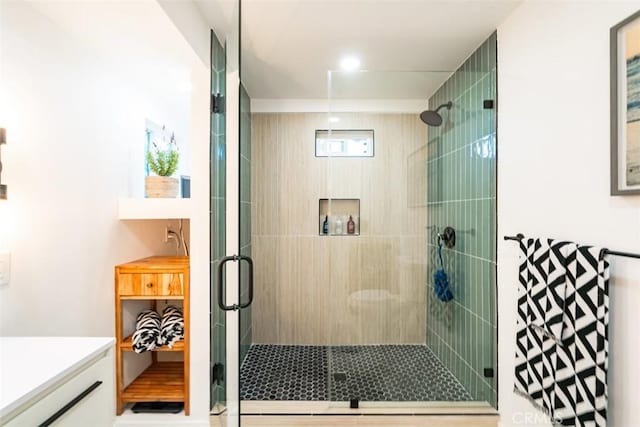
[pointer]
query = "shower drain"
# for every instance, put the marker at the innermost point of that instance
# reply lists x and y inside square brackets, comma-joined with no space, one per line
[340,376]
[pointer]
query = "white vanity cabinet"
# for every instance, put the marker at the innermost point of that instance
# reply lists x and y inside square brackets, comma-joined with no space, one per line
[69,384]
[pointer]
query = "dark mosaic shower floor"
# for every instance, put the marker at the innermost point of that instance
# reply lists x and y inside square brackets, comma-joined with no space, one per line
[368,373]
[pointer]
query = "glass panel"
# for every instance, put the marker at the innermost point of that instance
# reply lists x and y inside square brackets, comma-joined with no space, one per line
[378,280]
[225,214]
[391,338]
[245,219]
[233,220]
[462,194]
[218,222]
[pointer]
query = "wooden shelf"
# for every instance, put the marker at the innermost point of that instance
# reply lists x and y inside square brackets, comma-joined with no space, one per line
[150,208]
[153,278]
[160,382]
[156,263]
[150,297]
[127,345]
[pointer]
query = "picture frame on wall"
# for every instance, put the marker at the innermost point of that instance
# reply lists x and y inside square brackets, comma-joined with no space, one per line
[625,106]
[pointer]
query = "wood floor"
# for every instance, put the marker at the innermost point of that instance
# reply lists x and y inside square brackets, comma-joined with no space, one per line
[366,420]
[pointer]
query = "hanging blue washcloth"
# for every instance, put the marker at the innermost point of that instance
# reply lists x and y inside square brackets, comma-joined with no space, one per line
[440,280]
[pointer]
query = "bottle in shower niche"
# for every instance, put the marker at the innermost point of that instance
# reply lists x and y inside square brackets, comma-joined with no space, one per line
[325,225]
[351,226]
[339,229]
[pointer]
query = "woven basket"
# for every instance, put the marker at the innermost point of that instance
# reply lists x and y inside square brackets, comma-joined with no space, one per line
[161,186]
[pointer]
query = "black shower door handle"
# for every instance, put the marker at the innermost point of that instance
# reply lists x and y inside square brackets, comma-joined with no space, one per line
[221,264]
[250,262]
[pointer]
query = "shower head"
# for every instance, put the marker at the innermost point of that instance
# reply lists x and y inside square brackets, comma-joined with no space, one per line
[433,118]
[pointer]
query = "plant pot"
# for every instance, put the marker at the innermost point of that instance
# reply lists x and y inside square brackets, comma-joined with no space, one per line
[161,186]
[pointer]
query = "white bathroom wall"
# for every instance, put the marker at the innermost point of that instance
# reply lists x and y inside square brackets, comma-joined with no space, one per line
[77,81]
[553,176]
[189,20]
[73,116]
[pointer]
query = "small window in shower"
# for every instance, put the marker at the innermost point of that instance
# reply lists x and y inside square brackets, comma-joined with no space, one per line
[344,143]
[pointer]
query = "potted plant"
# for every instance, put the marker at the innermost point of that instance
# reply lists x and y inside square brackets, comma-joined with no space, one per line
[163,163]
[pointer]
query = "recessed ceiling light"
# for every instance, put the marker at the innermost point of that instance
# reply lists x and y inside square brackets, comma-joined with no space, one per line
[334,119]
[350,63]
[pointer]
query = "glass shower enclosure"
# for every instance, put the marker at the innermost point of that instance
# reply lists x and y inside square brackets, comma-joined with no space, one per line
[347,205]
[343,208]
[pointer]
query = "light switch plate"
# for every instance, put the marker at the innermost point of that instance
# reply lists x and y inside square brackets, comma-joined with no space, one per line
[5,269]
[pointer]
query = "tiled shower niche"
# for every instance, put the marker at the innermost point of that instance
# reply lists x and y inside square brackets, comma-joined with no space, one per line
[335,215]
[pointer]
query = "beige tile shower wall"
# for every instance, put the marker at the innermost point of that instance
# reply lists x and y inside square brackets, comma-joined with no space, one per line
[321,290]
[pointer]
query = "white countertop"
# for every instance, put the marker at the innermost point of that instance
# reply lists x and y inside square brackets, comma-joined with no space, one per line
[30,365]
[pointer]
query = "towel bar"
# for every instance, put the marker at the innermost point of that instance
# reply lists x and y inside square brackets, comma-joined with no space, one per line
[520,236]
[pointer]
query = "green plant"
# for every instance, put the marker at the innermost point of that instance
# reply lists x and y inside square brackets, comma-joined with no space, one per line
[164,162]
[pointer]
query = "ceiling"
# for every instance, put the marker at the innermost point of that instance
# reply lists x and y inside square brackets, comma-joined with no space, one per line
[398,85]
[288,46]
[155,53]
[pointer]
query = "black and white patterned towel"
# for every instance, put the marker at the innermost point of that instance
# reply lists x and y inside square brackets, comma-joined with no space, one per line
[147,334]
[562,331]
[547,263]
[172,327]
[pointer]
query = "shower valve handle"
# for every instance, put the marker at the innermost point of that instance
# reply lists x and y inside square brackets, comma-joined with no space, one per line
[448,237]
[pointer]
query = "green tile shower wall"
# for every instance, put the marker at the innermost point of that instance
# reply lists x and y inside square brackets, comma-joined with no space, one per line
[462,194]
[245,216]
[217,216]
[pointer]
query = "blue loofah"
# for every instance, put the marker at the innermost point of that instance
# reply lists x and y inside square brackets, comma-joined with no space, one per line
[442,286]
[440,280]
